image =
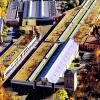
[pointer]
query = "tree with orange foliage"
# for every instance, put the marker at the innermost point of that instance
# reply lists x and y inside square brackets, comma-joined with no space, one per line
[2,69]
[97,53]
[3,95]
[0,11]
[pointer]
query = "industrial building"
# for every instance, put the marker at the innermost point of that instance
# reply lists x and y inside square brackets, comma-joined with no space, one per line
[45,67]
[56,67]
[60,61]
[39,9]
[42,14]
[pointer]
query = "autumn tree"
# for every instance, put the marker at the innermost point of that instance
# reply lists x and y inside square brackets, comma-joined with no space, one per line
[0,11]
[3,3]
[61,94]
[3,6]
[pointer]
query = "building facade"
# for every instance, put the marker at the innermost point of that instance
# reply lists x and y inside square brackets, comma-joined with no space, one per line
[70,80]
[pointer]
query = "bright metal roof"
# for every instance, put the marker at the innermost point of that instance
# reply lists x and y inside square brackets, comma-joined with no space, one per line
[59,61]
[38,9]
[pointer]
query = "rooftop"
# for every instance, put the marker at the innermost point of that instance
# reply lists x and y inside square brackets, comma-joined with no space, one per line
[12,10]
[84,29]
[42,9]
[58,61]
[45,47]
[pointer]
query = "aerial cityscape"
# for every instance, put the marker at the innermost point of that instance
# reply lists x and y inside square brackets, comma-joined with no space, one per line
[49,49]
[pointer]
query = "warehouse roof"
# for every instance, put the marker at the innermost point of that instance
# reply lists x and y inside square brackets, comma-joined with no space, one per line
[59,62]
[38,9]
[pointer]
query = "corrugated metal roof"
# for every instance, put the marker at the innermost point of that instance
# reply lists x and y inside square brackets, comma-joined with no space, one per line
[37,9]
[57,64]
[26,9]
[62,62]
[52,60]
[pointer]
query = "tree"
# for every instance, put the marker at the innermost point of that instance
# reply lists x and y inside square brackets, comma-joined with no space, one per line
[3,6]
[8,95]
[3,3]
[0,11]
[3,15]
[77,2]
[64,6]
[5,30]
[20,31]
[62,94]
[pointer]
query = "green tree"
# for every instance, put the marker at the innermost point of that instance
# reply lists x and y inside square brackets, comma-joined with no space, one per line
[20,31]
[5,30]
